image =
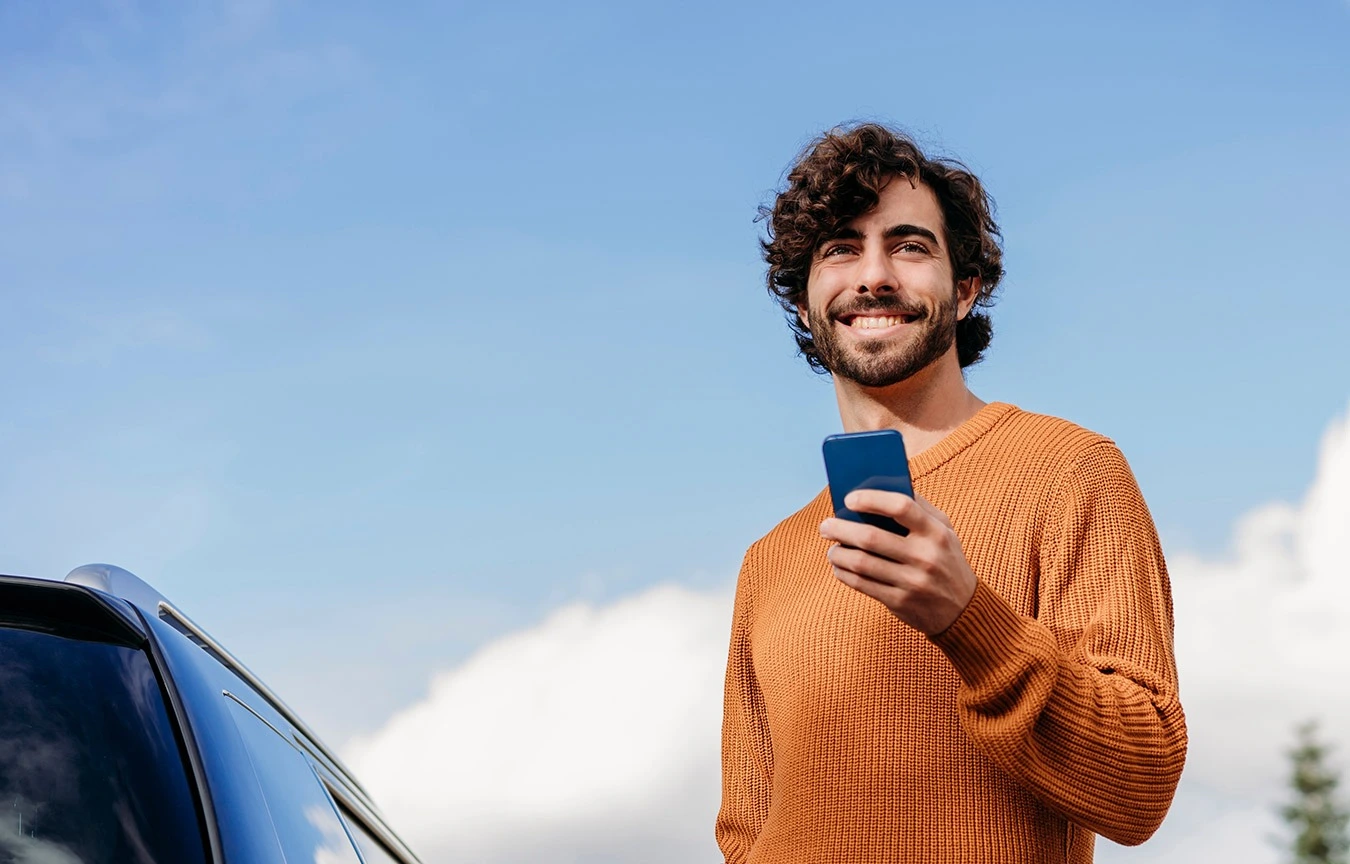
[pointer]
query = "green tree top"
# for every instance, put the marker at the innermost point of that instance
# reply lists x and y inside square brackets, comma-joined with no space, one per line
[1315,816]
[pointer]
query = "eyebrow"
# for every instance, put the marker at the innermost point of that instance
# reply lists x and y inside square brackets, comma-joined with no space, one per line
[905,230]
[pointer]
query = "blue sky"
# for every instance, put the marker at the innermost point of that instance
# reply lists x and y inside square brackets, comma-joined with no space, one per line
[371,336]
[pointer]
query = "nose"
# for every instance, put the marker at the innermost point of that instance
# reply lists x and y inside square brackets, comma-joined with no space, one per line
[874,273]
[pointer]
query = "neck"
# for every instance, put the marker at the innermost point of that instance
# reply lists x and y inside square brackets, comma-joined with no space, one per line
[924,407]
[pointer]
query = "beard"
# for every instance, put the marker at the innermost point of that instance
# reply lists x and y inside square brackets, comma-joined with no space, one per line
[882,362]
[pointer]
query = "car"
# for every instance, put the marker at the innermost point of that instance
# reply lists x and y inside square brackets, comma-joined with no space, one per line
[128,734]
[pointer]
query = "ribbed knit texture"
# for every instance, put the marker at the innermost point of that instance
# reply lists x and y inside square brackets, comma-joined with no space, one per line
[1048,711]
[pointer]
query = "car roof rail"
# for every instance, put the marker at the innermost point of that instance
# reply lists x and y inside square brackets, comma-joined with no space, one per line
[119,583]
[135,590]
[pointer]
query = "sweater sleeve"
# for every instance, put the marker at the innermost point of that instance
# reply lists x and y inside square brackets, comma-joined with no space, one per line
[747,760]
[1080,704]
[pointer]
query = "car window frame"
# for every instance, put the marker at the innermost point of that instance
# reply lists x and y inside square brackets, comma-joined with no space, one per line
[51,622]
[355,817]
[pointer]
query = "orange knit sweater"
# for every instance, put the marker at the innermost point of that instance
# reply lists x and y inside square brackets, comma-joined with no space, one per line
[1046,713]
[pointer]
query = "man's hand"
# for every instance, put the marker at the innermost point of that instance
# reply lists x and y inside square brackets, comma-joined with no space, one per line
[923,578]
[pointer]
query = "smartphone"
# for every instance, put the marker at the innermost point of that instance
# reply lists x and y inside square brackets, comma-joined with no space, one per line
[867,460]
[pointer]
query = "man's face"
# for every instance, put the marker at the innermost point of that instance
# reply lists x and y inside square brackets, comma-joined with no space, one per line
[881,300]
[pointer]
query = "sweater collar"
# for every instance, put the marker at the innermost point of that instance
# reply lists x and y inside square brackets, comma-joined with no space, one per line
[959,438]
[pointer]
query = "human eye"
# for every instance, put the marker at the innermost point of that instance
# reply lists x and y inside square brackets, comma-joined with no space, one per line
[912,247]
[830,250]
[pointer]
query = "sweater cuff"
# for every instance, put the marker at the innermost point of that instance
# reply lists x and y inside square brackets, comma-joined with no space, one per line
[990,636]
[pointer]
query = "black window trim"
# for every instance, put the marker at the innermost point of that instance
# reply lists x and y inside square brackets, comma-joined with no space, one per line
[72,611]
[188,747]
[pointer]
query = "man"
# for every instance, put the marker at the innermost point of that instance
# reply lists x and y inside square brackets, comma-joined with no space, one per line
[998,685]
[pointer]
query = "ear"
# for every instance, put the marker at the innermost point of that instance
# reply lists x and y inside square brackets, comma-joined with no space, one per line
[966,292]
[803,317]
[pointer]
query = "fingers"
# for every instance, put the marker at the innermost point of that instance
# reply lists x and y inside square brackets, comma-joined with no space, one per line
[888,595]
[912,514]
[902,508]
[923,577]
[915,513]
[864,563]
[932,511]
[928,602]
[877,541]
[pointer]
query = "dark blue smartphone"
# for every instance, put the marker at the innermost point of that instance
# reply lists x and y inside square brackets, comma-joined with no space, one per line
[867,460]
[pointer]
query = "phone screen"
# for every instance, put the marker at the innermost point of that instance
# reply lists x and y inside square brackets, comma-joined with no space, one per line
[867,460]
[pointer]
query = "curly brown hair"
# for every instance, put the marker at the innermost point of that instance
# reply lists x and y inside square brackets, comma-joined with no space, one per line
[840,177]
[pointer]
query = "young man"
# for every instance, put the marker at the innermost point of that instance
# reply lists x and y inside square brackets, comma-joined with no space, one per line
[999,684]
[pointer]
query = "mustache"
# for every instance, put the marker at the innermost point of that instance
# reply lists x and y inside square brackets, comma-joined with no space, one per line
[886,304]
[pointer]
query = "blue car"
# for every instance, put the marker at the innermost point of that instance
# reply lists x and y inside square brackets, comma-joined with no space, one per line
[129,736]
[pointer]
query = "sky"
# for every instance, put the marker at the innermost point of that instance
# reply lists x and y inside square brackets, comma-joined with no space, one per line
[424,357]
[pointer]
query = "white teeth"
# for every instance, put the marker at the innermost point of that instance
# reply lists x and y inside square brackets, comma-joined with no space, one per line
[875,322]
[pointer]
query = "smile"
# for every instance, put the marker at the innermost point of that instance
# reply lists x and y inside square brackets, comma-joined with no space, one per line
[875,322]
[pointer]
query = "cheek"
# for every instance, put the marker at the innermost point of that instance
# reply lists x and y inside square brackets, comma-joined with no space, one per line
[822,290]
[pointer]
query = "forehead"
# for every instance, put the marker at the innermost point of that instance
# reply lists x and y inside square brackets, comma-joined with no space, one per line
[901,202]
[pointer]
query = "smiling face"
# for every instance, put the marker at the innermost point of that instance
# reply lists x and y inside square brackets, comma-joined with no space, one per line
[882,304]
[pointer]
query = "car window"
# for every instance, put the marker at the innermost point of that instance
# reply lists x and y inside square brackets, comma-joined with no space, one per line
[372,850]
[303,814]
[90,767]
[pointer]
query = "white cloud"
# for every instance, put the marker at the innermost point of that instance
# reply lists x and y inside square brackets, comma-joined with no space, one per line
[1204,826]
[1263,643]
[594,737]
[1264,638]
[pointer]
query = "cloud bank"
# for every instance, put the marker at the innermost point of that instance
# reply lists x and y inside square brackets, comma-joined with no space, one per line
[595,736]
[1263,643]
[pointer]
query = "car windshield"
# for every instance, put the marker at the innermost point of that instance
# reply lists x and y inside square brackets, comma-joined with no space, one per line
[90,768]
